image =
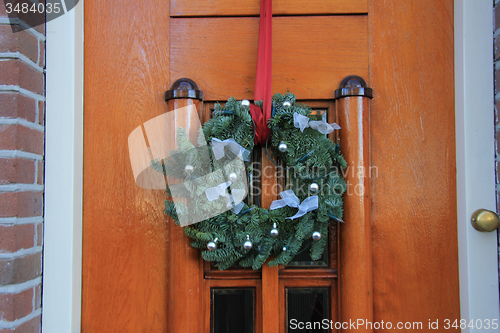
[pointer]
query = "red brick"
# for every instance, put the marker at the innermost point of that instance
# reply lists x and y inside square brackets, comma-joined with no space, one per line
[39,234]
[39,176]
[497,142]
[16,72]
[498,202]
[38,296]
[32,326]
[41,50]
[497,48]
[3,10]
[20,269]
[17,171]
[20,41]
[41,113]
[497,112]
[497,81]
[20,204]
[8,105]
[14,105]
[497,17]
[498,172]
[16,306]
[18,137]
[16,237]
[40,28]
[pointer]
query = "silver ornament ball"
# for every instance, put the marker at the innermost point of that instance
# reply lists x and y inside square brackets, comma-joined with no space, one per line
[282,147]
[211,246]
[314,187]
[316,235]
[286,104]
[189,169]
[233,176]
[248,245]
[245,103]
[274,233]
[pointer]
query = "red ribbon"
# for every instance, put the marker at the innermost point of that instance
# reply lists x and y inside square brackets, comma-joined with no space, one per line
[264,71]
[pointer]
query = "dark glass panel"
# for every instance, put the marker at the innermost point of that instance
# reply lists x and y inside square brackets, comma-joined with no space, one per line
[232,310]
[318,114]
[304,259]
[309,307]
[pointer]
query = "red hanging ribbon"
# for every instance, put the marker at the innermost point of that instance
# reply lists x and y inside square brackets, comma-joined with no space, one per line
[264,71]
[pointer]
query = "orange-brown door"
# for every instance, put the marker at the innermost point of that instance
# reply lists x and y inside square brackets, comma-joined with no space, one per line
[139,272]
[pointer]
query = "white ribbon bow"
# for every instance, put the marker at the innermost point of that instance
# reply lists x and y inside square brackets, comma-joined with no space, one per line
[218,149]
[302,122]
[288,198]
[213,193]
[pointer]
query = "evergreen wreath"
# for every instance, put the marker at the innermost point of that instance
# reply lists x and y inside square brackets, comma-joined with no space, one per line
[254,234]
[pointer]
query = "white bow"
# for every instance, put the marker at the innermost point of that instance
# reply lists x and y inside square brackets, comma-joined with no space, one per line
[288,198]
[302,122]
[218,149]
[213,193]
[234,200]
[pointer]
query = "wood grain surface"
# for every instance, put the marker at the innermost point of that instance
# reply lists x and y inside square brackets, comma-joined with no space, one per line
[311,54]
[185,264]
[280,7]
[415,250]
[355,269]
[125,233]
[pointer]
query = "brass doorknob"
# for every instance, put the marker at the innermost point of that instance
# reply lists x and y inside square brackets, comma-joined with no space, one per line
[485,220]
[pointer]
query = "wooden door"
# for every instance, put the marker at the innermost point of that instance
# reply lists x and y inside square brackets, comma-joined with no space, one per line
[139,272]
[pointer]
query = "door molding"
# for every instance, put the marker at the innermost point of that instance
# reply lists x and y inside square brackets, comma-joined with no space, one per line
[62,250]
[475,149]
[64,160]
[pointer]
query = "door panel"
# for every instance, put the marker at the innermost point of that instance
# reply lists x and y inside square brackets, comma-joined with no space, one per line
[125,234]
[415,250]
[311,55]
[280,7]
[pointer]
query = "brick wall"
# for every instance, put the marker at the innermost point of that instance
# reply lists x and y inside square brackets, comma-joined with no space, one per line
[22,62]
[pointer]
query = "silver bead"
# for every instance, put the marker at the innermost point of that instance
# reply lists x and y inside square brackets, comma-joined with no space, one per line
[282,147]
[274,231]
[248,244]
[211,245]
[188,169]
[316,235]
[286,104]
[314,187]
[245,103]
[233,176]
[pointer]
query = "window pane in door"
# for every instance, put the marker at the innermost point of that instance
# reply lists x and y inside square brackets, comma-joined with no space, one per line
[308,306]
[232,310]
[303,257]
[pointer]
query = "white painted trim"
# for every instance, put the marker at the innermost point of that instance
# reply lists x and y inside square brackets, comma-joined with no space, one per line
[62,257]
[474,105]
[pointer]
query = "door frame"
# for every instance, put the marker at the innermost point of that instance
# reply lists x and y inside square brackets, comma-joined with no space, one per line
[475,147]
[62,246]
[64,164]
